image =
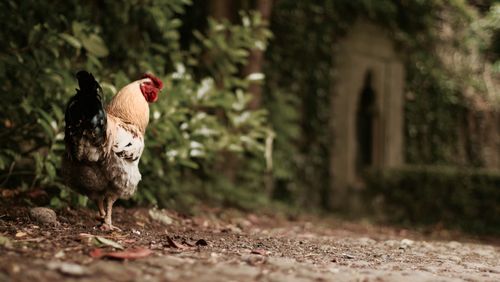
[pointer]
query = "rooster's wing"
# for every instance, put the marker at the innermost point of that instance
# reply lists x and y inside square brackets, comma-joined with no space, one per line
[128,143]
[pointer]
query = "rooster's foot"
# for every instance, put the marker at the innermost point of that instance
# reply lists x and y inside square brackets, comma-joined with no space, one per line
[108,227]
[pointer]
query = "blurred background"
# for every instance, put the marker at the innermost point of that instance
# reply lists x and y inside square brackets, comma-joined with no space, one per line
[386,109]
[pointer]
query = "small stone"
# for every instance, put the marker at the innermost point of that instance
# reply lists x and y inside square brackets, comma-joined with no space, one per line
[43,215]
[454,245]
[67,268]
[160,216]
[365,241]
[333,270]
[405,244]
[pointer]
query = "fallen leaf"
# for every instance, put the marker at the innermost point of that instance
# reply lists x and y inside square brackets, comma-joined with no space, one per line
[21,234]
[201,242]
[8,193]
[130,254]
[189,243]
[96,253]
[109,242]
[59,254]
[37,193]
[348,256]
[261,252]
[4,241]
[173,244]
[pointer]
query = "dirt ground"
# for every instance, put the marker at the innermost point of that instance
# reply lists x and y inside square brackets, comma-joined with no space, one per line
[156,245]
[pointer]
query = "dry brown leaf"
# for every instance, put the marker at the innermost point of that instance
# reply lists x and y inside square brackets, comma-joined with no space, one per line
[21,234]
[96,253]
[126,254]
[171,243]
[201,242]
[261,252]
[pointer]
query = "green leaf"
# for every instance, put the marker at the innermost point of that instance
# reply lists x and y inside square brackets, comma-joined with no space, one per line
[55,202]
[109,242]
[58,112]
[49,131]
[82,200]
[95,45]
[188,163]
[71,40]
[78,29]
[51,170]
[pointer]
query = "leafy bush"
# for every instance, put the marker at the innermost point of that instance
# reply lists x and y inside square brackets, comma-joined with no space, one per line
[201,113]
[489,29]
[454,197]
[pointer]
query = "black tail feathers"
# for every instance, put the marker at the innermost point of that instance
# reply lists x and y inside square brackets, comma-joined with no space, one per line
[87,83]
[85,116]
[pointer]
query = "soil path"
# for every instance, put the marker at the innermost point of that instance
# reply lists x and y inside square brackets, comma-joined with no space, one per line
[232,247]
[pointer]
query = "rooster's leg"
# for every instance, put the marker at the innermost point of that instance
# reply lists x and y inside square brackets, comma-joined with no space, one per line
[108,225]
[100,206]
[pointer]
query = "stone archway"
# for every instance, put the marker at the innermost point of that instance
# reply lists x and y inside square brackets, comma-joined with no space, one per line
[365,62]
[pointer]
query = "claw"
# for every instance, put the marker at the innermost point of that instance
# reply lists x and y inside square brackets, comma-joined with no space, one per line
[108,227]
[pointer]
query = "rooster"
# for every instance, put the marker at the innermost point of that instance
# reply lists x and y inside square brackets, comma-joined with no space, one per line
[104,145]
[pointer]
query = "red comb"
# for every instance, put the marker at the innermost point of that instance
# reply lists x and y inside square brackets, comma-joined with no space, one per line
[156,81]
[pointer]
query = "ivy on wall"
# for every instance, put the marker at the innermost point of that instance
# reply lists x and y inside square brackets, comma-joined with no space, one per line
[298,90]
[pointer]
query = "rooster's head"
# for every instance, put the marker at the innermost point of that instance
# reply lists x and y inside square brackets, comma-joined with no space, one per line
[150,87]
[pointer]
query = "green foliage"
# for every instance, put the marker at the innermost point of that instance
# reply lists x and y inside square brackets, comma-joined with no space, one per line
[201,122]
[439,46]
[299,65]
[298,90]
[201,113]
[449,196]
[201,119]
[489,29]
[445,82]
